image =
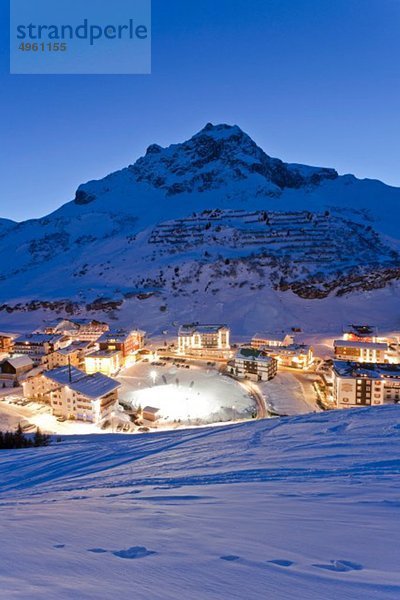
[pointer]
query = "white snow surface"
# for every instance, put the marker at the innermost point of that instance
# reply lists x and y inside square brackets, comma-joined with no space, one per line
[303,507]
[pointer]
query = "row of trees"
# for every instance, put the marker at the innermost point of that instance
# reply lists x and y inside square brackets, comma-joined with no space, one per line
[10,440]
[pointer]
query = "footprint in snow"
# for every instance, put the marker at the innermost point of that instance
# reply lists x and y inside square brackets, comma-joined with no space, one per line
[230,557]
[97,550]
[59,546]
[134,552]
[281,562]
[340,566]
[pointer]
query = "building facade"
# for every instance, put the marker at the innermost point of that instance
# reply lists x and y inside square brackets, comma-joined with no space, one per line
[284,350]
[127,342]
[14,368]
[38,346]
[360,333]
[272,340]
[365,385]
[73,355]
[151,413]
[74,395]
[295,356]
[83,330]
[6,343]
[250,363]
[204,340]
[107,362]
[366,352]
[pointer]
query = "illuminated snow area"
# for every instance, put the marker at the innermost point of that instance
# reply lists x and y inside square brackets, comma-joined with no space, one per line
[194,395]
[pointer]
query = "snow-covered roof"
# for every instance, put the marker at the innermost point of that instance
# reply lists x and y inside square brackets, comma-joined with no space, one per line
[64,375]
[74,323]
[356,344]
[93,386]
[56,322]
[6,334]
[74,347]
[151,409]
[19,362]
[253,354]
[118,335]
[360,330]
[103,353]
[192,329]
[37,338]
[289,350]
[373,371]
[84,322]
[271,337]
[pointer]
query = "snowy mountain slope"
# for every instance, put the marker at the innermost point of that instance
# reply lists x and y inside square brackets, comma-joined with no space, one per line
[283,227]
[303,507]
[6,224]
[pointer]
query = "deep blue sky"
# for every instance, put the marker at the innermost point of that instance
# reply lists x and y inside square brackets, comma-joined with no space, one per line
[312,81]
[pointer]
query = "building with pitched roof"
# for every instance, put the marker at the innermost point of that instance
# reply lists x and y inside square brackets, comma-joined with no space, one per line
[16,367]
[72,394]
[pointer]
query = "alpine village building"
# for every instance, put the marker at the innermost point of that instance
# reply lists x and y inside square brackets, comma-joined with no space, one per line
[367,352]
[251,363]
[117,348]
[72,394]
[366,369]
[13,369]
[38,346]
[356,384]
[82,330]
[283,348]
[204,341]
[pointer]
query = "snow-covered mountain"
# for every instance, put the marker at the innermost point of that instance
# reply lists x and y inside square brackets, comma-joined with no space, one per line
[6,224]
[304,507]
[213,226]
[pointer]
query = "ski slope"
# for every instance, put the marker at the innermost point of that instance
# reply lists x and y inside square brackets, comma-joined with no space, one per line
[304,507]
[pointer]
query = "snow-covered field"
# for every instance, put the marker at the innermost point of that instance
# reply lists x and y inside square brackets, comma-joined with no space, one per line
[285,395]
[192,396]
[304,507]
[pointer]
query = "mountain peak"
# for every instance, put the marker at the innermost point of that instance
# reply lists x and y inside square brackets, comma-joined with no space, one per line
[215,157]
[221,129]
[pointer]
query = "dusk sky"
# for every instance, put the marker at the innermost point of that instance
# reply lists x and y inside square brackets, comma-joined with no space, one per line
[312,81]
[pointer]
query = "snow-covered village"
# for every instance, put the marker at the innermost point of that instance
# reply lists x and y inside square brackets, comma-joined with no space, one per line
[199,300]
[81,375]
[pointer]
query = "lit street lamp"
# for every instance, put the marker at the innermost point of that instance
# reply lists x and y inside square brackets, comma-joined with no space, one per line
[153,376]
